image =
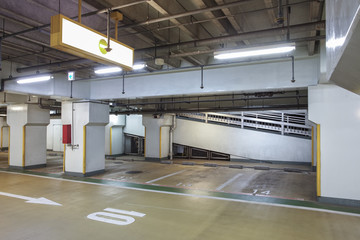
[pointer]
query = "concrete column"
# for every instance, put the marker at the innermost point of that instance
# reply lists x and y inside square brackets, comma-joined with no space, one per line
[4,137]
[114,136]
[27,148]
[85,155]
[157,136]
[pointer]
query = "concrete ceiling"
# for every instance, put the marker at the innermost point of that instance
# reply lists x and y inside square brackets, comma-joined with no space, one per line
[183,33]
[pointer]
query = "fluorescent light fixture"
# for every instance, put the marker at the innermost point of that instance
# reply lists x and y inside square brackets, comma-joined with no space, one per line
[108,70]
[75,38]
[256,51]
[138,66]
[34,79]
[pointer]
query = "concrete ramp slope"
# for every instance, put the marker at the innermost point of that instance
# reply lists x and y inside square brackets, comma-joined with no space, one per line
[243,143]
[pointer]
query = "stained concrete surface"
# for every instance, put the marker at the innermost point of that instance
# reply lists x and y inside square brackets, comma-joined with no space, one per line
[165,216]
[274,183]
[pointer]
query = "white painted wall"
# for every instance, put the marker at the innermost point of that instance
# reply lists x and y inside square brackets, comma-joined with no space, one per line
[49,136]
[115,126]
[5,137]
[165,141]
[57,138]
[242,143]
[4,133]
[134,125]
[342,17]
[278,75]
[338,113]
[58,86]
[54,136]
[35,145]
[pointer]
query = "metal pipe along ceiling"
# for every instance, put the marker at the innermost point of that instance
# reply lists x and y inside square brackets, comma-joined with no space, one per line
[82,15]
[186,14]
[243,36]
[215,109]
[208,100]
[57,64]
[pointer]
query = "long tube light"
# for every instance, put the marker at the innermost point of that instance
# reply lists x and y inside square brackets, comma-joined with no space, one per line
[108,70]
[138,66]
[41,78]
[256,51]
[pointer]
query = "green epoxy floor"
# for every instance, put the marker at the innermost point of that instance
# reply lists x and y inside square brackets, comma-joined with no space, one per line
[167,216]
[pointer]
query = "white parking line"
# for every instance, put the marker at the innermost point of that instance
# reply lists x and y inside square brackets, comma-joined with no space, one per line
[172,174]
[228,182]
[281,205]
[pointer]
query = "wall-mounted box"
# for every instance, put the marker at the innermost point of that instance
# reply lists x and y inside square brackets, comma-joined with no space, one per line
[67,134]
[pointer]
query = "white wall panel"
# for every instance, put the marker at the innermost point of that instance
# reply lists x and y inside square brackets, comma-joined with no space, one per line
[134,125]
[242,143]
[341,19]
[226,79]
[338,113]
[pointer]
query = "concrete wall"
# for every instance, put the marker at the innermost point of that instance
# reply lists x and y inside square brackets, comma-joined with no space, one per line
[242,143]
[338,113]
[58,86]
[278,75]
[54,136]
[4,133]
[114,135]
[134,125]
[165,144]
[342,18]
[185,81]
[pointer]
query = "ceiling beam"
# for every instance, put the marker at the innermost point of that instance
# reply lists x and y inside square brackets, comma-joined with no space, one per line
[185,14]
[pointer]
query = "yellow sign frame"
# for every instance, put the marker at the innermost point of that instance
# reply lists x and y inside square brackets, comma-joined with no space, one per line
[56,41]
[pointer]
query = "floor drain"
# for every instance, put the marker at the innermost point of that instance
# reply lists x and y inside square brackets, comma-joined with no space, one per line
[133,172]
[118,162]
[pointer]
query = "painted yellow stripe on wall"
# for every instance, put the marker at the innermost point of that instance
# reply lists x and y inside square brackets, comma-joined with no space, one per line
[84,150]
[145,143]
[110,140]
[160,144]
[318,162]
[312,146]
[23,148]
[9,147]
[64,157]
[2,137]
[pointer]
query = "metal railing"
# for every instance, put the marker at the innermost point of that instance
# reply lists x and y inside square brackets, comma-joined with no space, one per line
[277,122]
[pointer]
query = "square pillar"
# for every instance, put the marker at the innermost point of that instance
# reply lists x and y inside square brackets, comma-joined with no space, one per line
[85,155]
[157,136]
[27,141]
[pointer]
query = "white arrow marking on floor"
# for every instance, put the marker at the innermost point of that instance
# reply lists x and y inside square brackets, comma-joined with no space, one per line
[31,200]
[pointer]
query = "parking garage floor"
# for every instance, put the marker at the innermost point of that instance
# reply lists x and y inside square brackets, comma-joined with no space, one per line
[134,199]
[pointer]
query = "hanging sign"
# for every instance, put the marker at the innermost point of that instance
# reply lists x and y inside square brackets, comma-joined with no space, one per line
[75,38]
